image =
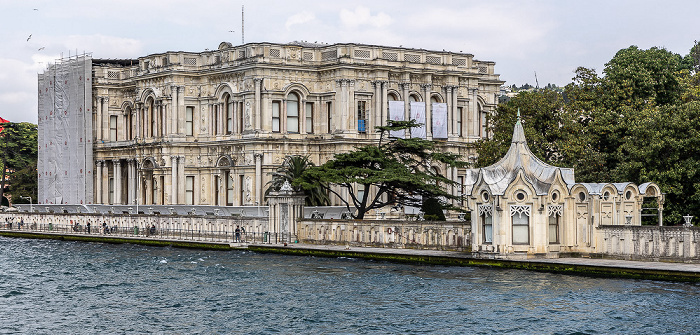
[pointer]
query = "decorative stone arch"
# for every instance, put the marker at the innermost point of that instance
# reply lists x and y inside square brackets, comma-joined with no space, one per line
[437,96]
[126,105]
[149,163]
[558,189]
[223,88]
[393,95]
[576,192]
[415,95]
[300,89]
[151,92]
[609,193]
[521,185]
[225,161]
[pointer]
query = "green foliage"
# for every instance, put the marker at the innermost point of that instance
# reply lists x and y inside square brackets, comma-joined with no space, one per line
[432,210]
[395,171]
[19,143]
[639,122]
[292,168]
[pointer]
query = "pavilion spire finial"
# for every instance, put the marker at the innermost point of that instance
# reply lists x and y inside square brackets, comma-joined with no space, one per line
[518,132]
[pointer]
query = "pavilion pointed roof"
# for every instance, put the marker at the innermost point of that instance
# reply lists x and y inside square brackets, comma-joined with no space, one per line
[519,158]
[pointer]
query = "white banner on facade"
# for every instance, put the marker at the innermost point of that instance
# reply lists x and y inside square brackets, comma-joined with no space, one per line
[418,114]
[396,110]
[439,120]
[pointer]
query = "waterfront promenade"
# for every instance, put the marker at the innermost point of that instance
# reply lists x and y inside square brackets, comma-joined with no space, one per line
[596,267]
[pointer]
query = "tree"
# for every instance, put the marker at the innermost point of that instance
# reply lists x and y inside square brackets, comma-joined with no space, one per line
[639,122]
[394,172]
[292,168]
[19,159]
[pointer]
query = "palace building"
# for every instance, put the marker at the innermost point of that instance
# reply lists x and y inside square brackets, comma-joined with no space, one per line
[208,128]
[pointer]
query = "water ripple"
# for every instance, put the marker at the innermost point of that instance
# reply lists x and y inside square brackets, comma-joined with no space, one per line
[83,288]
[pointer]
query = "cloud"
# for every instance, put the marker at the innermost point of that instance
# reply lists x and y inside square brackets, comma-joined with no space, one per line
[299,18]
[104,46]
[362,16]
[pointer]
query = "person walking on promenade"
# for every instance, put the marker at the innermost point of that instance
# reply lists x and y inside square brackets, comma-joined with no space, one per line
[88,227]
[238,234]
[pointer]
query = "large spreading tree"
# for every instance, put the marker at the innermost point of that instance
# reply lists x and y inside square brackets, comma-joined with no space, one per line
[395,171]
[638,122]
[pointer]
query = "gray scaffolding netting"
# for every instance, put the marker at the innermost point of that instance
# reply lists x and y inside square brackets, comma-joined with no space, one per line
[65,132]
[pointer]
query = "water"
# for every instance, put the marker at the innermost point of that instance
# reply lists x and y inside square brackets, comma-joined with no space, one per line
[49,287]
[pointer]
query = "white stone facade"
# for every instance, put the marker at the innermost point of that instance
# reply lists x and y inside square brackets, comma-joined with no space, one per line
[208,128]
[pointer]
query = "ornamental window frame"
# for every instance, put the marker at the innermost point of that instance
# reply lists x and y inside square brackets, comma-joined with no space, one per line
[520,226]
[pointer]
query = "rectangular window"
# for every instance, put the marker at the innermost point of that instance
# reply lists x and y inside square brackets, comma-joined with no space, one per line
[229,188]
[241,125]
[329,107]
[521,228]
[241,189]
[229,118]
[360,192]
[215,130]
[113,128]
[111,191]
[189,190]
[216,191]
[459,121]
[554,229]
[276,116]
[309,118]
[292,117]
[362,116]
[189,121]
[487,223]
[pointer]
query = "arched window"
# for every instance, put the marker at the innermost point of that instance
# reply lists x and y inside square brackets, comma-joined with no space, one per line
[228,114]
[150,124]
[292,113]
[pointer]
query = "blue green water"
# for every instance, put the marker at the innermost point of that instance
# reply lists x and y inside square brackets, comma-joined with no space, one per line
[56,287]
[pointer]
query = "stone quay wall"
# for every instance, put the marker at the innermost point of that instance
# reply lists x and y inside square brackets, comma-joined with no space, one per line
[672,243]
[435,235]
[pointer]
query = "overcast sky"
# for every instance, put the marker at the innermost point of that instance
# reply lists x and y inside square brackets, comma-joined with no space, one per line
[550,38]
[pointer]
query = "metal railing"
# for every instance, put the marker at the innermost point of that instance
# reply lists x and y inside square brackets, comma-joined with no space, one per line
[152,232]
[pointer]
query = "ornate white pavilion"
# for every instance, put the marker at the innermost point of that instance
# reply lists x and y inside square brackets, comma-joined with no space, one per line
[524,207]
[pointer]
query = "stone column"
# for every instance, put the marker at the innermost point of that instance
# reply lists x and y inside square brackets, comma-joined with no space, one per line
[98,119]
[181,177]
[450,116]
[258,178]
[258,103]
[406,103]
[428,111]
[455,110]
[180,110]
[385,103]
[105,182]
[376,118]
[352,107]
[173,109]
[98,182]
[173,180]
[117,181]
[105,118]
[130,182]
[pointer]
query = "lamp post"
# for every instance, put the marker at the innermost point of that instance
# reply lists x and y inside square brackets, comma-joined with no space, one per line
[30,202]
[688,218]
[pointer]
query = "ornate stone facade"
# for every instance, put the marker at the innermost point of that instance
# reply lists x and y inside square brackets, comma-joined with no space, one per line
[208,128]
